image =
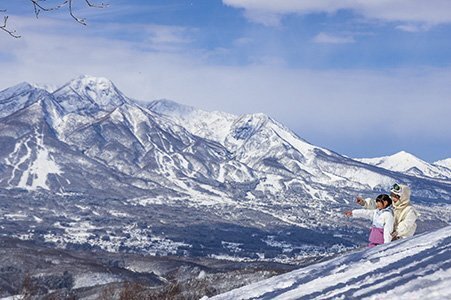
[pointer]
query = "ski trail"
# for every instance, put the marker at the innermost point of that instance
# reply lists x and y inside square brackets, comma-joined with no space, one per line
[43,165]
[15,161]
[37,169]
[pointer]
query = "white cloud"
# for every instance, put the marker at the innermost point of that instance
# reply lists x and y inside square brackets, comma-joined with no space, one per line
[267,18]
[168,37]
[269,12]
[325,38]
[413,27]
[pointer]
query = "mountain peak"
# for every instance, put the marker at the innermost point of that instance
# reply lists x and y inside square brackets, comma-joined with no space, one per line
[404,154]
[400,161]
[96,88]
[444,163]
[91,81]
[403,161]
[88,94]
[19,96]
[16,89]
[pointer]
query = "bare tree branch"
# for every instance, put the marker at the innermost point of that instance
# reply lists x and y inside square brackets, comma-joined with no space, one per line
[83,21]
[101,5]
[38,6]
[5,29]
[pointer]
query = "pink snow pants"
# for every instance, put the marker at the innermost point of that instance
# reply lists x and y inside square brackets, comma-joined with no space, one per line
[376,236]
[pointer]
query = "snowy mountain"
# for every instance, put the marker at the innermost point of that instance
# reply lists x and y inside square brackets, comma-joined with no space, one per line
[91,117]
[34,158]
[444,163]
[415,268]
[84,160]
[272,149]
[17,97]
[89,95]
[407,163]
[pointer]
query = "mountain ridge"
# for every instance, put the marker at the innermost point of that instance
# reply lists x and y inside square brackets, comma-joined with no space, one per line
[254,178]
[406,162]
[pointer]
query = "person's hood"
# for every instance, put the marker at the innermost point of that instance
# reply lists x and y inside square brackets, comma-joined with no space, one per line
[404,200]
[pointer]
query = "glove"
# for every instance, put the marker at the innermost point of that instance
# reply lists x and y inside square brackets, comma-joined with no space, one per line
[360,200]
[394,236]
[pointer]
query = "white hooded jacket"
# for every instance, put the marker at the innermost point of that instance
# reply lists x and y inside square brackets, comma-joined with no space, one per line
[405,215]
[382,218]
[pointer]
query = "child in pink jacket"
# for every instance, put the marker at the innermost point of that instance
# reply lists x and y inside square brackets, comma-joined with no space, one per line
[382,217]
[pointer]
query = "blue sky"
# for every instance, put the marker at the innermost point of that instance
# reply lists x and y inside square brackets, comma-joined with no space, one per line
[362,78]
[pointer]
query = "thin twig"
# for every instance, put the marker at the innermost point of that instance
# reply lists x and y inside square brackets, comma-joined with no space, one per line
[90,4]
[79,20]
[38,7]
[101,5]
[10,32]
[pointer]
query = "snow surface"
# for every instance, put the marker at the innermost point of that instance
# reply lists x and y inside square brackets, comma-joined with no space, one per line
[408,163]
[38,168]
[414,268]
[93,279]
[212,125]
[16,98]
[444,163]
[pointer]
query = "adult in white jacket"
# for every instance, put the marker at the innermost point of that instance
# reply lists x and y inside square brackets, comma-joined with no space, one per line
[405,215]
[382,217]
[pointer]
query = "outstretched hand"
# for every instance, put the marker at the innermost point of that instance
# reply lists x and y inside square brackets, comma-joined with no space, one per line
[360,200]
[348,213]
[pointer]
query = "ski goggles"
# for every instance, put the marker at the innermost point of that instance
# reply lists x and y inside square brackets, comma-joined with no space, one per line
[396,189]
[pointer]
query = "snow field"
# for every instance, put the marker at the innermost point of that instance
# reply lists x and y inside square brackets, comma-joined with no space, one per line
[415,268]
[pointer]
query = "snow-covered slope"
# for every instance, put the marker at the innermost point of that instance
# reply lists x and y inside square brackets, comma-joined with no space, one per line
[270,148]
[407,163]
[444,163]
[19,96]
[212,125]
[415,268]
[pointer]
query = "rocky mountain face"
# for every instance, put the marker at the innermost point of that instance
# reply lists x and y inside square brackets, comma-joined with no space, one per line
[78,163]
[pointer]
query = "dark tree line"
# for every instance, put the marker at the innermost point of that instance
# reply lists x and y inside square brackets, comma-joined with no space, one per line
[41,5]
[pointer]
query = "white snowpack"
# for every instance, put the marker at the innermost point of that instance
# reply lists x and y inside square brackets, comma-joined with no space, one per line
[444,163]
[406,162]
[414,268]
[38,169]
[15,297]
[93,279]
[212,125]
